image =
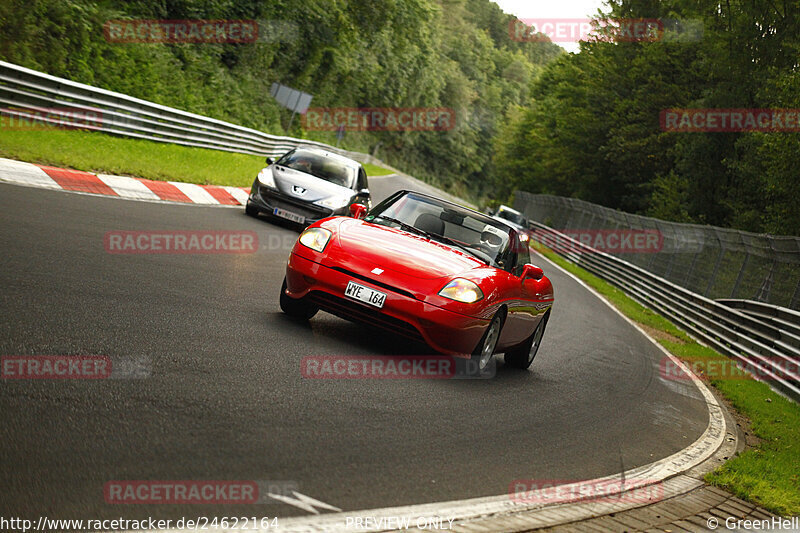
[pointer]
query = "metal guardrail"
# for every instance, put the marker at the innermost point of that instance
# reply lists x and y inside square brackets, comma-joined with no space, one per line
[763,347]
[787,320]
[28,95]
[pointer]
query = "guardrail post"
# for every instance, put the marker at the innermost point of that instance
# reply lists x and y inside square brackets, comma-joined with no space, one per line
[691,268]
[795,303]
[713,277]
[653,256]
[591,219]
[741,274]
[766,286]
[669,265]
[580,218]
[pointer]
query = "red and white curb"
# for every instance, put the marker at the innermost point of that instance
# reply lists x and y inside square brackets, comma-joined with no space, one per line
[22,173]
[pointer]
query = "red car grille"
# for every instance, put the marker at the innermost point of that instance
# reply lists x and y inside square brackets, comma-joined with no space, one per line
[374,282]
[348,310]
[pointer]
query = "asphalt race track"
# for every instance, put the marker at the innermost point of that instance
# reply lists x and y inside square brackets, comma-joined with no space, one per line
[220,396]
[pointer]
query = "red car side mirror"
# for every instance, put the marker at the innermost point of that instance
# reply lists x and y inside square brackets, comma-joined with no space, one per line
[532,271]
[358,210]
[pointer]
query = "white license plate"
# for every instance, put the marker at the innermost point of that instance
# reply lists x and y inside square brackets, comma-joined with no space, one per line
[365,294]
[294,217]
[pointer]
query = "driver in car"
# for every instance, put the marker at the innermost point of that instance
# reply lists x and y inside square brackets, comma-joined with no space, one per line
[302,164]
[491,240]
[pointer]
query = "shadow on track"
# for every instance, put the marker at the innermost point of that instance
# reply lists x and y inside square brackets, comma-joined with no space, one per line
[370,340]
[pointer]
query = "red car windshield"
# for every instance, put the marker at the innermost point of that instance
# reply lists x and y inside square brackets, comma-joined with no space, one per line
[459,227]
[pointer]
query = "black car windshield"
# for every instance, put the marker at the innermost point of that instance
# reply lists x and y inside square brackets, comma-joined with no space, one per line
[512,216]
[321,166]
[459,227]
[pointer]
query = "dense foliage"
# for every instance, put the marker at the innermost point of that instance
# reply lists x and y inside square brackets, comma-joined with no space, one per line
[591,129]
[354,53]
[529,117]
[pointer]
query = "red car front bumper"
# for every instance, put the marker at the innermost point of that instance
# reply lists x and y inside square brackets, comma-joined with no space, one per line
[443,330]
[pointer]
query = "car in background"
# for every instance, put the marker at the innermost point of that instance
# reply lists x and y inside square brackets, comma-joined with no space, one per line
[308,184]
[432,270]
[512,217]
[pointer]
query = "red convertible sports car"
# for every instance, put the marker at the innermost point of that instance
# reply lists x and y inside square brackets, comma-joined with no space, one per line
[432,270]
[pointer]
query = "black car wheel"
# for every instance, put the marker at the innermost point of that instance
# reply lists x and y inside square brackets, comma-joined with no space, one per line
[299,309]
[480,364]
[523,355]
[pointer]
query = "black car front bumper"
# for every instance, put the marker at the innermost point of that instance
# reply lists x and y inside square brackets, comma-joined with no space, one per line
[267,200]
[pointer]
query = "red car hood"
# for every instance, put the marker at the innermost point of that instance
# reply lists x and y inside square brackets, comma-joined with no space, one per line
[393,249]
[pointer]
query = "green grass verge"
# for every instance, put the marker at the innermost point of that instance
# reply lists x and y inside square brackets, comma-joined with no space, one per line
[375,170]
[107,154]
[767,474]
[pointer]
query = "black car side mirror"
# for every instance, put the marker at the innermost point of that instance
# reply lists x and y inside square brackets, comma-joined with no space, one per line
[270,160]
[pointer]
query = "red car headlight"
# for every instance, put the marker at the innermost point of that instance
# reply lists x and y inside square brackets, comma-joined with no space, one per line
[462,290]
[315,238]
